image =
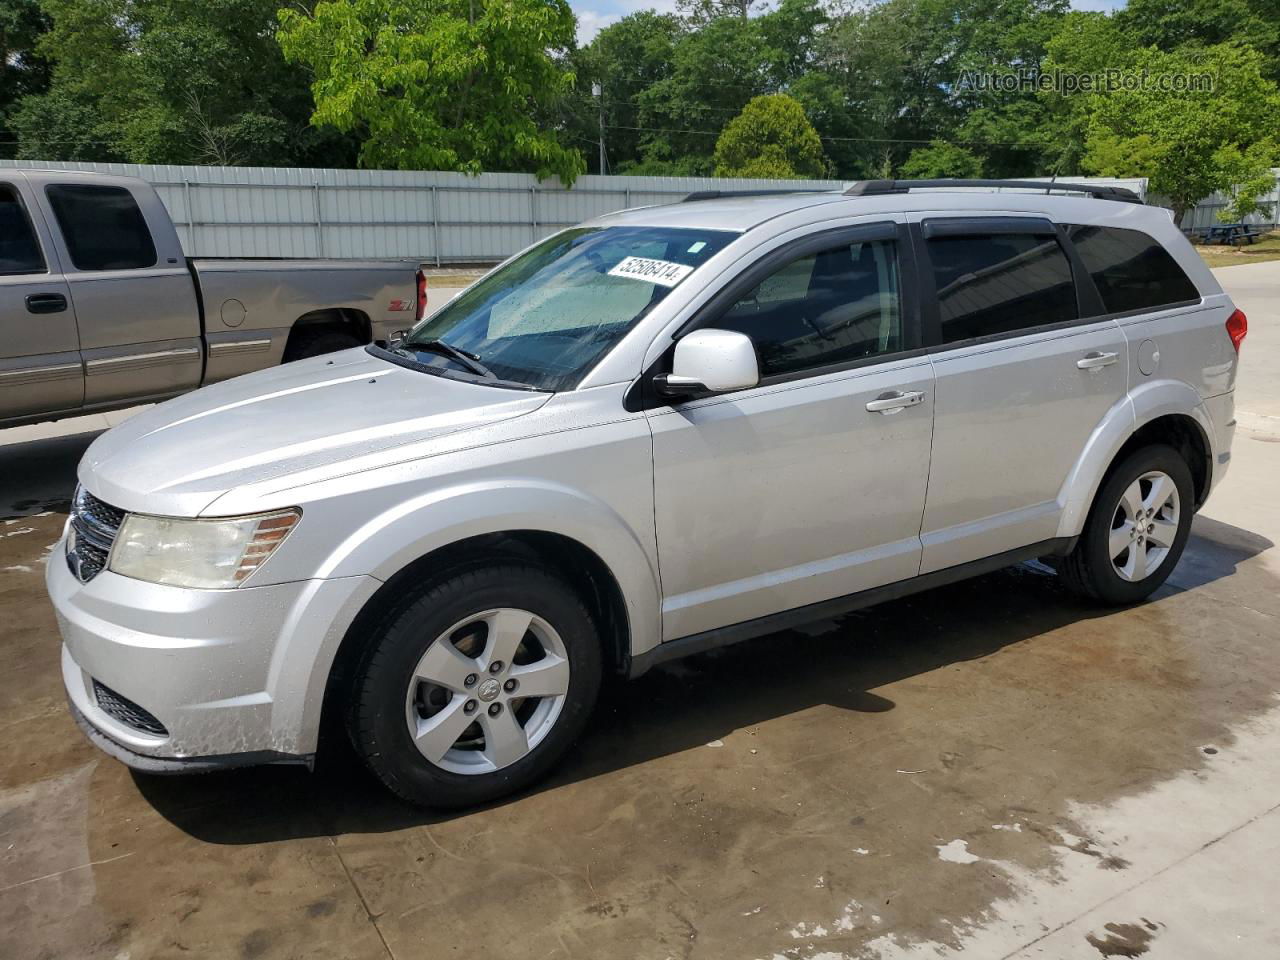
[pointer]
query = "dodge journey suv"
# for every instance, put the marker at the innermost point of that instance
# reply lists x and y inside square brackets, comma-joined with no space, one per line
[657,432]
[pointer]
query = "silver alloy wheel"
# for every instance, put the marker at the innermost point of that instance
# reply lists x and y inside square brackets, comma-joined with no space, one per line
[487,691]
[1144,526]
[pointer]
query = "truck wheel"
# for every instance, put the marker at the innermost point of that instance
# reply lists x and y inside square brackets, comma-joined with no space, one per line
[1136,530]
[313,343]
[475,686]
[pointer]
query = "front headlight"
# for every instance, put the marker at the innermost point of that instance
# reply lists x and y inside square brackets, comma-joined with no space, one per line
[210,554]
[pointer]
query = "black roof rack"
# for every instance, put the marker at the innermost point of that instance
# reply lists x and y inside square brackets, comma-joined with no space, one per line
[722,194]
[872,188]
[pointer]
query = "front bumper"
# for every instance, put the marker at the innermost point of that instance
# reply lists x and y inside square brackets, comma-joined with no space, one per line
[231,676]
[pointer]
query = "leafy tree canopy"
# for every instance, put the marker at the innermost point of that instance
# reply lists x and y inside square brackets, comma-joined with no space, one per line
[170,81]
[941,159]
[1173,24]
[23,72]
[771,138]
[1192,143]
[439,84]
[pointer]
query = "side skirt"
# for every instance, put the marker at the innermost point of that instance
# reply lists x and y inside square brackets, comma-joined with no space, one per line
[774,622]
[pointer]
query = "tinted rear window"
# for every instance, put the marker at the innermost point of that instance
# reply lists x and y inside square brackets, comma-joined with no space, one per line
[19,250]
[102,226]
[1000,283]
[1131,269]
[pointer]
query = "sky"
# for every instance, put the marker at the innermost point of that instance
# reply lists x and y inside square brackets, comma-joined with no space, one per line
[595,15]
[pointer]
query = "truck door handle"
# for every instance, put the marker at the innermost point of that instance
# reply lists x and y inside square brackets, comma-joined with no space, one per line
[1096,360]
[895,400]
[46,303]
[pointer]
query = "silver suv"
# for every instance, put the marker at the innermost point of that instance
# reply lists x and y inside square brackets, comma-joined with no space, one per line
[661,431]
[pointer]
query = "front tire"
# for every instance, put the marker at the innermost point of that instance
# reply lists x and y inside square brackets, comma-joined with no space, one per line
[476,685]
[1136,530]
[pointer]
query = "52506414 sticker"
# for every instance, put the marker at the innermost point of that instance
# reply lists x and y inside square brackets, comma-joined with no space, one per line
[662,272]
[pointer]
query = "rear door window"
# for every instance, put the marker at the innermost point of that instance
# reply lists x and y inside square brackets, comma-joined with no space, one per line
[102,226]
[1131,270]
[1000,283]
[19,249]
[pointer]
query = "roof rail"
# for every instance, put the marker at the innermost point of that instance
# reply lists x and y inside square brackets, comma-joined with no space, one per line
[872,188]
[722,194]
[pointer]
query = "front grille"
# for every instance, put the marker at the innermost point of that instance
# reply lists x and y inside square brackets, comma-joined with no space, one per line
[94,526]
[126,711]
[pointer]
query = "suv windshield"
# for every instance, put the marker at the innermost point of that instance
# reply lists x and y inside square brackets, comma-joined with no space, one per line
[545,318]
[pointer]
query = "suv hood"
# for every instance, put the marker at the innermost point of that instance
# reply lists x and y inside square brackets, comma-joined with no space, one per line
[177,458]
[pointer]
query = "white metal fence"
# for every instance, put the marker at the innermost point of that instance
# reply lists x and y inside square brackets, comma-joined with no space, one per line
[440,217]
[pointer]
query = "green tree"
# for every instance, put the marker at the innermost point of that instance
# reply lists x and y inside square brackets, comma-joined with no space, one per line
[1189,143]
[23,71]
[1174,24]
[715,70]
[941,159]
[771,138]
[625,59]
[171,81]
[901,66]
[1251,175]
[440,84]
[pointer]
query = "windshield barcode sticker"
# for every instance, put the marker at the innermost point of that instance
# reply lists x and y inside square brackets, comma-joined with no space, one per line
[662,272]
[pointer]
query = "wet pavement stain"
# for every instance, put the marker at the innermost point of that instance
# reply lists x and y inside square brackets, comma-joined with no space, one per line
[1124,939]
[851,751]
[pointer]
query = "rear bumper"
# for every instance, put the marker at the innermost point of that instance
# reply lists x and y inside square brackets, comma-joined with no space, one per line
[1221,411]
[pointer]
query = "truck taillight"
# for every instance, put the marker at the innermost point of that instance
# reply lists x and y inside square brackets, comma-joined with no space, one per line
[422,295]
[1237,327]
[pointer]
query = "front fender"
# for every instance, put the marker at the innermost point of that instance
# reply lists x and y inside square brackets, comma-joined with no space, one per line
[392,540]
[1143,404]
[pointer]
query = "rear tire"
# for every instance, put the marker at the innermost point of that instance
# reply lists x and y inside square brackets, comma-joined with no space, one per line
[1136,530]
[443,709]
[314,343]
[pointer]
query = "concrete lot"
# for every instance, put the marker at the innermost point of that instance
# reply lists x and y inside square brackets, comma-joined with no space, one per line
[991,769]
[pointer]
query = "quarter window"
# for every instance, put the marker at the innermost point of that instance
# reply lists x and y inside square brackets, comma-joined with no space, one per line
[990,284]
[19,249]
[1131,270]
[826,308]
[102,226]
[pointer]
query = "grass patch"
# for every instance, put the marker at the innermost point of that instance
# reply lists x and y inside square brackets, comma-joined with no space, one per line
[1267,248]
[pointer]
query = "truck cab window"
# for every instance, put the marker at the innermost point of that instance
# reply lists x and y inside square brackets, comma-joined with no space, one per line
[102,226]
[19,249]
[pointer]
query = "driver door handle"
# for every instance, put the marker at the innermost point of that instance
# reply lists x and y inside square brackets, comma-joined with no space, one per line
[895,400]
[1096,360]
[46,303]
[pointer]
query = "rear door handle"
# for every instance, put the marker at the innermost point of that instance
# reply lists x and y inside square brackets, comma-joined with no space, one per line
[894,401]
[46,303]
[1096,360]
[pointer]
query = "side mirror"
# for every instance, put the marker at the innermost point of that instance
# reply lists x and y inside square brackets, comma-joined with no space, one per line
[710,361]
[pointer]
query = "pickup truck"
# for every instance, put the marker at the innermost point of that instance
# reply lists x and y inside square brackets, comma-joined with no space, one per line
[100,309]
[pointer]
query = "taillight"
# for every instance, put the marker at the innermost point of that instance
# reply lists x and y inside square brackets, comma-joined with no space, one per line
[422,295]
[1237,327]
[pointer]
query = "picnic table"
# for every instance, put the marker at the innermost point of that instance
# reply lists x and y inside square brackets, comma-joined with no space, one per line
[1232,233]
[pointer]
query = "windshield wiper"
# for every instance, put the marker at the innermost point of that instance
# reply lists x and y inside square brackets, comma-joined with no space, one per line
[464,357]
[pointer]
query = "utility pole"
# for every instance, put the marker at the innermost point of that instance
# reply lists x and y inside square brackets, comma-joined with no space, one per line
[597,91]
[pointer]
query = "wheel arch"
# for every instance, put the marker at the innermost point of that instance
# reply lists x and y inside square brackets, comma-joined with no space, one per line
[568,530]
[1169,412]
[344,319]
[582,569]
